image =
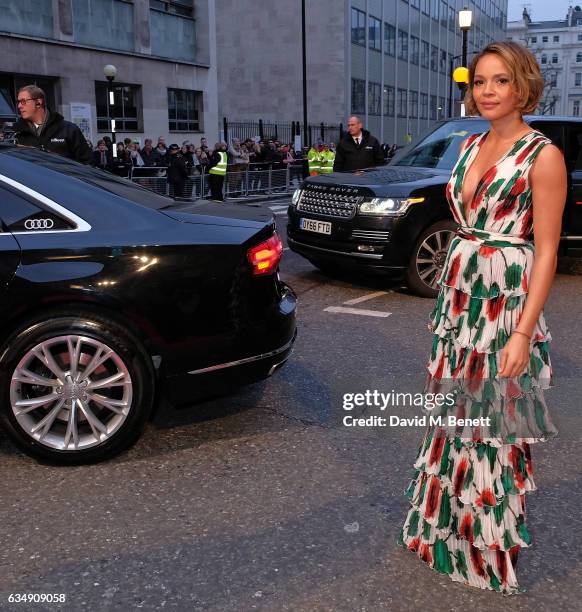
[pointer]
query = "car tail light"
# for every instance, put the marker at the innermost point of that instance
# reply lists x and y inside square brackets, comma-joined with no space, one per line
[265,257]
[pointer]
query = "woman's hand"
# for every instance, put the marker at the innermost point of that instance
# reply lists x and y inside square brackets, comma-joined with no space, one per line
[514,356]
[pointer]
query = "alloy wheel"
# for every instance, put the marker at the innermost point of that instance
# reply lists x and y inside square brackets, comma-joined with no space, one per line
[71,392]
[431,256]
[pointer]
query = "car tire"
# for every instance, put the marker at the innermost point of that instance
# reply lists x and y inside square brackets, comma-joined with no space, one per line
[74,388]
[424,267]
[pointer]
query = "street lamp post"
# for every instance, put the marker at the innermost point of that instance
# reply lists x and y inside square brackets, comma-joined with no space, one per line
[304,52]
[110,72]
[465,19]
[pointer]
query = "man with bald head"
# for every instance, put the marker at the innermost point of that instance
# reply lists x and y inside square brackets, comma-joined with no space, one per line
[358,149]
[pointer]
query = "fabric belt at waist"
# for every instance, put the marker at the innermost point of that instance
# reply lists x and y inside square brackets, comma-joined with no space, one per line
[491,238]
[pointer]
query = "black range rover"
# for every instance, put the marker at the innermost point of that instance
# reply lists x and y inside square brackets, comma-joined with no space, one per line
[395,219]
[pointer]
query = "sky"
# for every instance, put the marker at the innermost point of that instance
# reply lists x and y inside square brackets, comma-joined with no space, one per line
[540,10]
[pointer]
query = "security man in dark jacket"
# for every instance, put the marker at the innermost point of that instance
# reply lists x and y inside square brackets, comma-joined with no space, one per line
[37,127]
[358,149]
[177,173]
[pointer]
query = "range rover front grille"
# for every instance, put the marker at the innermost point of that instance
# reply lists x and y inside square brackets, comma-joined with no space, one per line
[337,202]
[370,234]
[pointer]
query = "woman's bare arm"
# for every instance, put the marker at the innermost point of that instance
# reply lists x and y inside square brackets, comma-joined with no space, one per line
[548,180]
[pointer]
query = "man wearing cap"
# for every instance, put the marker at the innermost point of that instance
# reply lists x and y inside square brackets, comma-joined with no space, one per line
[177,172]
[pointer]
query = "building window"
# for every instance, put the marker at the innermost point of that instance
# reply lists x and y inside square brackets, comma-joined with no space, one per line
[556,39]
[402,44]
[444,13]
[534,39]
[578,57]
[434,58]
[544,58]
[415,3]
[424,53]
[184,110]
[126,107]
[544,39]
[433,108]
[441,108]
[451,18]
[576,108]
[425,6]
[402,102]
[389,39]
[578,79]
[443,62]
[373,98]
[423,106]
[388,101]
[414,49]
[184,8]
[358,27]
[434,9]
[414,103]
[578,22]
[553,79]
[374,34]
[358,96]
[554,58]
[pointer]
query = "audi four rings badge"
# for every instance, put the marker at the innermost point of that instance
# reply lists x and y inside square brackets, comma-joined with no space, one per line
[39,224]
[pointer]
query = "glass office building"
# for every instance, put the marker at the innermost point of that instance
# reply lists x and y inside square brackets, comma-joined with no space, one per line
[401,54]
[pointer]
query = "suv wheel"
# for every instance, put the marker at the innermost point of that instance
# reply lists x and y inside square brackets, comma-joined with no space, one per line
[74,389]
[428,258]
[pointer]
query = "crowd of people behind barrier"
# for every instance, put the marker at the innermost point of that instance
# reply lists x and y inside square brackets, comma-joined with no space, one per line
[130,158]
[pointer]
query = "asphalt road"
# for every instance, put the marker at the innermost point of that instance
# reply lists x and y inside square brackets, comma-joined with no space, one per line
[265,501]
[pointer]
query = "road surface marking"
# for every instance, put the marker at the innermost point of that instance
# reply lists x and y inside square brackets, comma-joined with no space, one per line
[357,311]
[368,296]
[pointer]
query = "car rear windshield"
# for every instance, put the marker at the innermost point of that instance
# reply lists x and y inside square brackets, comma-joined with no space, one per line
[440,149]
[121,187]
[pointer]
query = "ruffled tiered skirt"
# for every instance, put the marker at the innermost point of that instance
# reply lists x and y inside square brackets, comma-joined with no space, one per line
[467,495]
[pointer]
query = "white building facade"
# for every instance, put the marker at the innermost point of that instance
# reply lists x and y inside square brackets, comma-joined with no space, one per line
[557,46]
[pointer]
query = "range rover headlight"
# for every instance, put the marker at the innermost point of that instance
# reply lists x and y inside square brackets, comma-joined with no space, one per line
[387,206]
[295,197]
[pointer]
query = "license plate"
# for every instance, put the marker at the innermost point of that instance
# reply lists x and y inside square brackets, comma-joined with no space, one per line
[312,225]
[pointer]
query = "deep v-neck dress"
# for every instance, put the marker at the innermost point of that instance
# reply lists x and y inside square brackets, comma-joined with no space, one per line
[467,495]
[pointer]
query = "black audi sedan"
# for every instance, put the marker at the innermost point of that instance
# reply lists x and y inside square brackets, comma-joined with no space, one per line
[395,219]
[115,298]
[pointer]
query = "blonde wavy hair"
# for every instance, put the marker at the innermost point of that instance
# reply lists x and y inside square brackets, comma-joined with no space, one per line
[524,71]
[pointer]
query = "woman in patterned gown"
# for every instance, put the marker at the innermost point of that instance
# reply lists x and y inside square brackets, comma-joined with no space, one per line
[467,514]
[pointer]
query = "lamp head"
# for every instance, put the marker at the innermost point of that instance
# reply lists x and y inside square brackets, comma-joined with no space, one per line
[465,19]
[110,72]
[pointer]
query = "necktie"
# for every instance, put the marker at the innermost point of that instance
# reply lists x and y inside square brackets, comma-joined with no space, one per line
[103,161]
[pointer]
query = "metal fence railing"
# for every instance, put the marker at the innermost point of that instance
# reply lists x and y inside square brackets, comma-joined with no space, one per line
[254,179]
[284,131]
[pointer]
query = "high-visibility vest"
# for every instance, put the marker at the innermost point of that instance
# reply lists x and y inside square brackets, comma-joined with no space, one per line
[327,163]
[220,167]
[314,161]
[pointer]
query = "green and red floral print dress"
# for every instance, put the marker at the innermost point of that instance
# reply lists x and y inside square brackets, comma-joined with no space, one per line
[467,514]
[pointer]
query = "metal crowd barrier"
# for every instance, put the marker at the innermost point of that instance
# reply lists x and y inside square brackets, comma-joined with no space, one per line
[254,179]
